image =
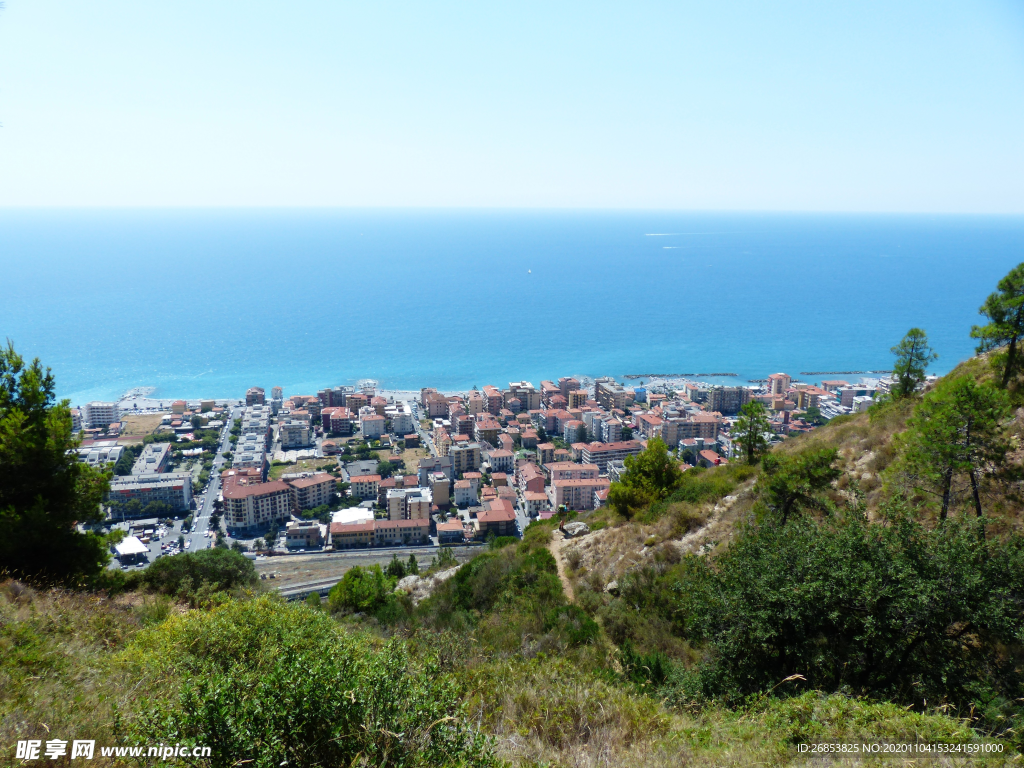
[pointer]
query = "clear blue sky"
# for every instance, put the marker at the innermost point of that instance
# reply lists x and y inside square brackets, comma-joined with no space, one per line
[842,106]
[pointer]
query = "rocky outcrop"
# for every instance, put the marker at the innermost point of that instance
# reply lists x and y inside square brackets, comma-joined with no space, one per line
[421,587]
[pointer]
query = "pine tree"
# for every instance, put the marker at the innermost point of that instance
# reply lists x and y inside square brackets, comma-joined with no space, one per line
[1005,311]
[751,431]
[912,357]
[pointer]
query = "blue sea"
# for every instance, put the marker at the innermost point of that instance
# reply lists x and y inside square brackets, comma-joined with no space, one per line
[210,302]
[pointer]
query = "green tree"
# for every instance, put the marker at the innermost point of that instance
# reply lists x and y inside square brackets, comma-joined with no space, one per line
[385,468]
[395,569]
[790,483]
[362,589]
[751,431]
[412,567]
[813,416]
[222,569]
[650,476]
[956,430]
[542,435]
[1005,312]
[44,490]
[196,421]
[271,537]
[912,357]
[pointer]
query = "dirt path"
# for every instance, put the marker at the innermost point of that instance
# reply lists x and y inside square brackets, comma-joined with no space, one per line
[557,542]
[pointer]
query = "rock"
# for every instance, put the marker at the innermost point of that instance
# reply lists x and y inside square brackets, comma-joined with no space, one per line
[420,588]
[576,529]
[612,588]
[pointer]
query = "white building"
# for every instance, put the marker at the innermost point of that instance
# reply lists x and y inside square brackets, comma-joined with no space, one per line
[400,415]
[96,414]
[100,454]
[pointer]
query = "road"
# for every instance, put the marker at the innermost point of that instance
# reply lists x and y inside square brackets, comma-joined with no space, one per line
[204,502]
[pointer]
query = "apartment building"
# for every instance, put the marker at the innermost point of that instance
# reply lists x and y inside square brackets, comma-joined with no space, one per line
[100,455]
[463,493]
[465,458]
[494,400]
[372,426]
[728,400]
[548,389]
[399,416]
[567,385]
[401,532]
[174,488]
[250,505]
[97,415]
[364,486]
[568,470]
[154,459]
[499,519]
[545,453]
[602,453]
[303,533]
[352,535]
[502,460]
[337,420]
[610,394]
[576,494]
[311,489]
[294,434]
[778,383]
[676,429]
[576,399]
[525,393]
[529,478]
[255,396]
[486,431]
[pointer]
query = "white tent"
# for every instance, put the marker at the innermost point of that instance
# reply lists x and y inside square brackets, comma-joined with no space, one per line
[130,545]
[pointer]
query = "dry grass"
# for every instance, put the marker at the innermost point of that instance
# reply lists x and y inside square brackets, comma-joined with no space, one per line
[302,465]
[142,424]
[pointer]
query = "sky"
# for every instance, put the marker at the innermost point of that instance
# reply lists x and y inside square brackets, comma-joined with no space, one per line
[796,106]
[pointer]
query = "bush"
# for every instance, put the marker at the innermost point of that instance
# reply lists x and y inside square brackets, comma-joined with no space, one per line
[268,684]
[572,624]
[362,589]
[184,574]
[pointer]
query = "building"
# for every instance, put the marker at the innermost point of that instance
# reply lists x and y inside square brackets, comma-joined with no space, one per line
[576,494]
[709,458]
[311,490]
[610,394]
[154,459]
[778,384]
[535,502]
[502,461]
[525,393]
[401,532]
[529,478]
[100,455]
[97,415]
[576,399]
[431,465]
[372,426]
[847,394]
[303,533]
[728,400]
[465,458]
[174,488]
[399,416]
[440,487]
[255,396]
[364,486]
[602,453]
[451,532]
[573,430]
[464,495]
[676,429]
[567,470]
[545,453]
[76,420]
[249,504]
[337,420]
[499,519]
[567,385]
[294,434]
[407,504]
[352,535]
[861,404]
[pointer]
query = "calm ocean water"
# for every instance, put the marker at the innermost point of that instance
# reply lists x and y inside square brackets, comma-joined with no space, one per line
[208,303]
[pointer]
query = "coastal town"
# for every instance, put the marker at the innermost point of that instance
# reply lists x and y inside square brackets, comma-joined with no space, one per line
[356,467]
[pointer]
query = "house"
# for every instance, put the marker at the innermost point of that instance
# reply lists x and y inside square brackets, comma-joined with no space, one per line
[567,470]
[372,426]
[535,502]
[708,458]
[401,532]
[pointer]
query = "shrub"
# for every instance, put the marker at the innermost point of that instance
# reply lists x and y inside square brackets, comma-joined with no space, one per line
[183,575]
[362,589]
[572,624]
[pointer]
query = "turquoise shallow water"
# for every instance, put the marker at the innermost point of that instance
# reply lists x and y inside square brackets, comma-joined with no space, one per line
[208,303]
